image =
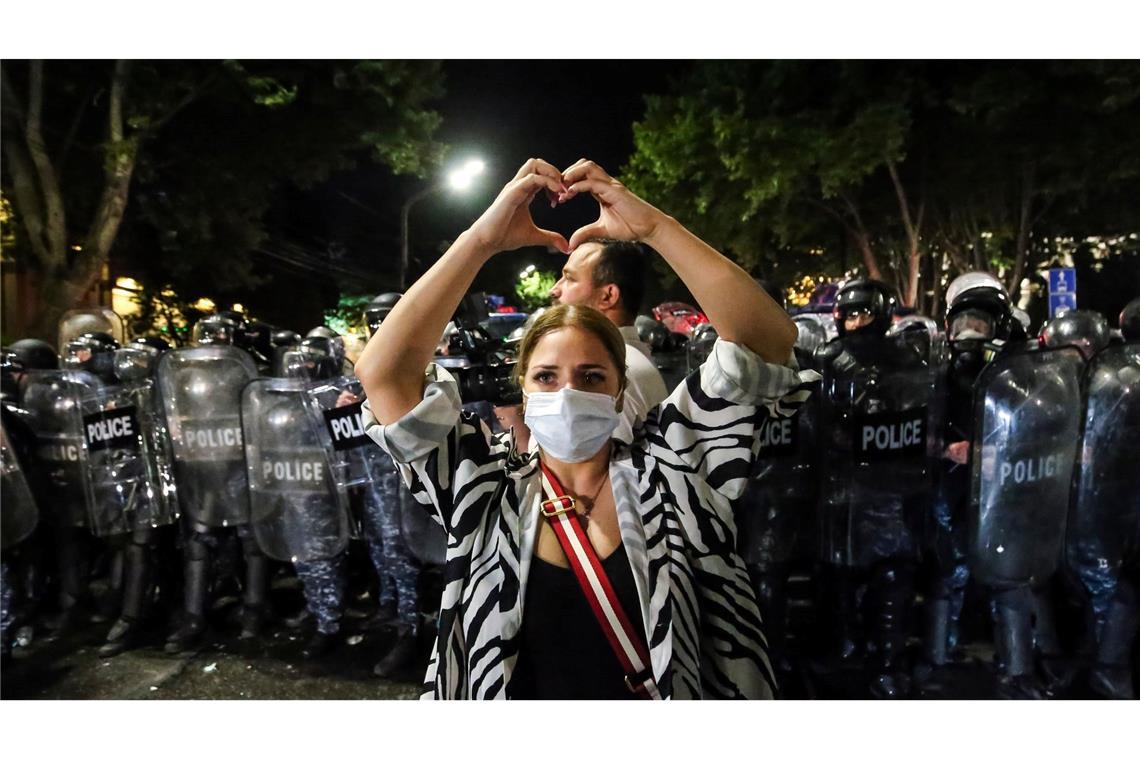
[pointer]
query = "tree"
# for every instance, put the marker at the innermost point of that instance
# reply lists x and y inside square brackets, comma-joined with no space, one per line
[768,160]
[173,164]
[533,288]
[922,170]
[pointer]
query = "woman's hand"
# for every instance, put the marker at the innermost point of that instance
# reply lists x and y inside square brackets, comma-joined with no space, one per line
[623,215]
[507,224]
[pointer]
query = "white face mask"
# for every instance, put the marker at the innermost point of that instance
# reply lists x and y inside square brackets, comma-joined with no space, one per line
[571,425]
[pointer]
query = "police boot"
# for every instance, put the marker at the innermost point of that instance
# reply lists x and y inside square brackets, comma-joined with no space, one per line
[320,644]
[196,579]
[71,561]
[137,573]
[402,653]
[1057,669]
[108,605]
[255,594]
[936,638]
[1013,639]
[888,598]
[1111,675]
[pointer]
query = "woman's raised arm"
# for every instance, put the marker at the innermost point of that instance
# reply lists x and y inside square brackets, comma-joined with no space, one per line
[736,305]
[391,366]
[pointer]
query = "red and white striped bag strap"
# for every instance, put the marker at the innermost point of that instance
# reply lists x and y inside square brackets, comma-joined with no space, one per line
[558,508]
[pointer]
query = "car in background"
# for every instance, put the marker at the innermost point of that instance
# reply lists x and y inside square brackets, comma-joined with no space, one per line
[500,325]
[679,317]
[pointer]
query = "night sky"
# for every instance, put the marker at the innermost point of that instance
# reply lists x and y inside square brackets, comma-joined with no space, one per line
[503,112]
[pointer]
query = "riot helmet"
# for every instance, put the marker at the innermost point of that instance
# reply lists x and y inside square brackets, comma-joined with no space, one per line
[256,338]
[92,352]
[870,302]
[153,341]
[1130,320]
[977,307]
[214,330]
[135,362]
[284,338]
[11,368]
[1087,330]
[329,352]
[305,362]
[378,310]
[334,344]
[35,354]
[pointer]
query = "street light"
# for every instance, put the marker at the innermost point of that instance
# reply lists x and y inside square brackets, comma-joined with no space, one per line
[457,180]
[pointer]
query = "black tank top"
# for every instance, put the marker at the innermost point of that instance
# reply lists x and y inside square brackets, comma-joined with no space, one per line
[563,653]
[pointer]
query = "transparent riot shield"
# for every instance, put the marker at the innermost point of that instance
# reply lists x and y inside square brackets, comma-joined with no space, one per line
[699,347]
[366,470]
[1027,411]
[1104,516]
[128,460]
[53,400]
[880,423]
[18,513]
[201,395]
[353,457]
[77,322]
[780,500]
[297,510]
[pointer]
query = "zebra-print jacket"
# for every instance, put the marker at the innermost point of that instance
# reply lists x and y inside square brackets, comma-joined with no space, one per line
[673,489]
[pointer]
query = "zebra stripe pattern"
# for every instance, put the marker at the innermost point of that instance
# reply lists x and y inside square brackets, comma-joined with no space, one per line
[673,488]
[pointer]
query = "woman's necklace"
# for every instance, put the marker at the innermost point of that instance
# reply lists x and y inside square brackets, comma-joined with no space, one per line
[588,504]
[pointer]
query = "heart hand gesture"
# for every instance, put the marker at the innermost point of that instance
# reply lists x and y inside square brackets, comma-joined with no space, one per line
[623,215]
[507,224]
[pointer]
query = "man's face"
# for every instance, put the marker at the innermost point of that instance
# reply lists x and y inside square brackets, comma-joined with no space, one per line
[576,287]
[857,319]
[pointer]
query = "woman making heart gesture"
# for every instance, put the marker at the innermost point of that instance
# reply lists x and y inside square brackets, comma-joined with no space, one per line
[585,567]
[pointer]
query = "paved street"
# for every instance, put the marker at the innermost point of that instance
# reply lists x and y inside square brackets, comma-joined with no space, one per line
[226,668]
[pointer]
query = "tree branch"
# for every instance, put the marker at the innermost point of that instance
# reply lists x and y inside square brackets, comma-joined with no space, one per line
[120,166]
[73,129]
[55,221]
[12,102]
[194,93]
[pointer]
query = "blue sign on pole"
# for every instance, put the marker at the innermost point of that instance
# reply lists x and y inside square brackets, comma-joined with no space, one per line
[1062,281]
[1059,303]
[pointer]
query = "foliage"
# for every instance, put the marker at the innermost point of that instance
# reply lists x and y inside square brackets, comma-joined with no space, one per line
[175,163]
[348,314]
[533,288]
[799,168]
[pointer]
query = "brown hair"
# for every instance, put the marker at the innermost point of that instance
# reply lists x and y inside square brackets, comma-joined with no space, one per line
[584,318]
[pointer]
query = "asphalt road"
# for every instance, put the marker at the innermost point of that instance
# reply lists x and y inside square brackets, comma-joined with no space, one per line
[225,668]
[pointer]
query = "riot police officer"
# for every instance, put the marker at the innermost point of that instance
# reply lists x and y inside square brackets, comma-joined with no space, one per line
[19,511]
[979,323]
[200,389]
[25,571]
[1026,422]
[299,511]
[879,423]
[385,499]
[133,469]
[1103,531]
[91,357]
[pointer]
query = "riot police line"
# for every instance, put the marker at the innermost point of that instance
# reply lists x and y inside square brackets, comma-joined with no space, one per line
[933,457]
[147,457]
[937,457]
